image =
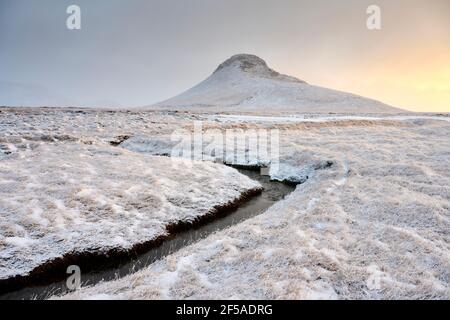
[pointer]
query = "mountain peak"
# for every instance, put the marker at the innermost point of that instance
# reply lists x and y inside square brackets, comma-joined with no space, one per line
[254,65]
[243,61]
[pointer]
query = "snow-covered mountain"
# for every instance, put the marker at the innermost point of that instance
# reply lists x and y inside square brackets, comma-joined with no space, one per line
[245,83]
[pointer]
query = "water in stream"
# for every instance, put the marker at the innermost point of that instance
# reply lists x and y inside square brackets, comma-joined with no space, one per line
[273,192]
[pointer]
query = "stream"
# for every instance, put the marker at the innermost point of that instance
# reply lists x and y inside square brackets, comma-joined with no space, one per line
[273,191]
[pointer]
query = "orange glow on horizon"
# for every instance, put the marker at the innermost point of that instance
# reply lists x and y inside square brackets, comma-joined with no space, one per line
[418,82]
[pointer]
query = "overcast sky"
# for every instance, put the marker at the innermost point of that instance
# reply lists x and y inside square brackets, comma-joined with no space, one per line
[138,52]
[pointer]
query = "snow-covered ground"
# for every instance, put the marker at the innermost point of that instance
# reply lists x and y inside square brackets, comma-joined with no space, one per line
[320,118]
[59,197]
[375,224]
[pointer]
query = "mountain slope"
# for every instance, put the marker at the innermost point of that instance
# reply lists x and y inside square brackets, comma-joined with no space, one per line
[245,82]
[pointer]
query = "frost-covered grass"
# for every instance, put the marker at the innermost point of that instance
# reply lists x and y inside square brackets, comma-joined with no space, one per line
[65,197]
[376,224]
[315,118]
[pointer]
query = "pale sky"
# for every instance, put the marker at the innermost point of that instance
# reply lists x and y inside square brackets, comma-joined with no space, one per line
[138,52]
